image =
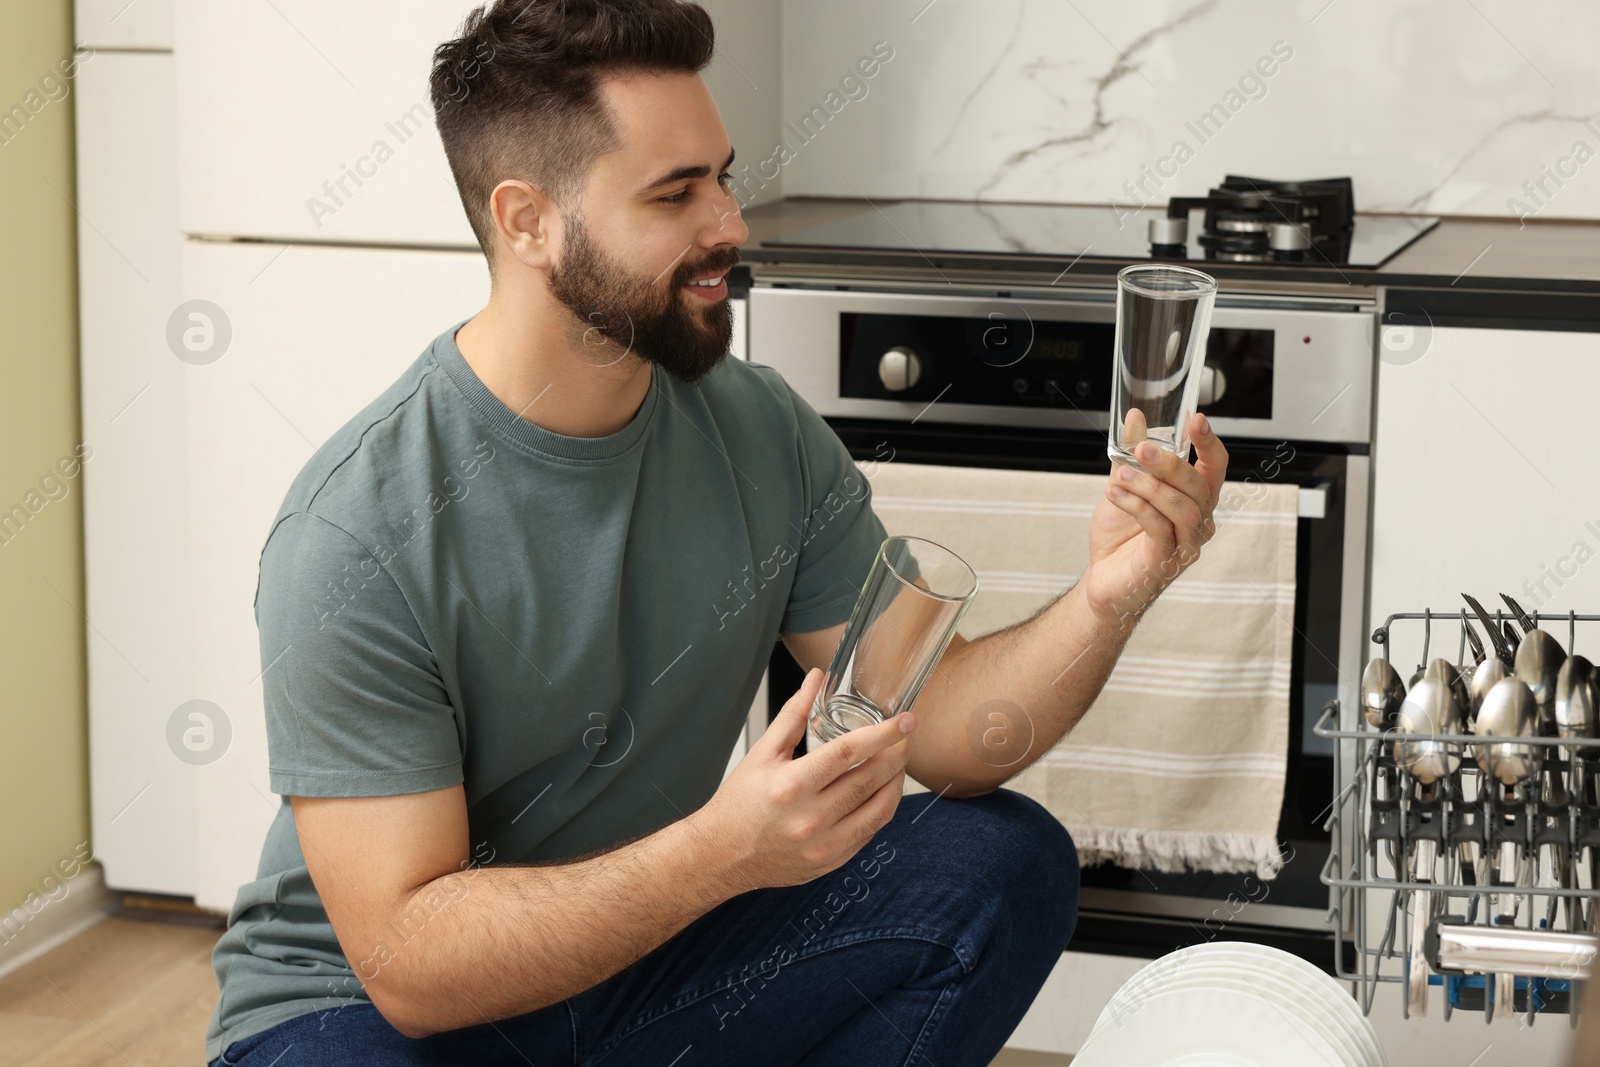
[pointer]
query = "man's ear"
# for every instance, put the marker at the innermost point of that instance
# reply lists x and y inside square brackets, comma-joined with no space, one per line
[528,222]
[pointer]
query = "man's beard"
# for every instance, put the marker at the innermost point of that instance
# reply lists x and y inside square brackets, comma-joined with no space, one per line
[620,312]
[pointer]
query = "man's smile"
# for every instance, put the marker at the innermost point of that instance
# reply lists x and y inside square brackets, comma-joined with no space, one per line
[712,287]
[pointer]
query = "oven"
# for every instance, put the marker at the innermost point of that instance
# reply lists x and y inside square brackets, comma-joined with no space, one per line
[965,373]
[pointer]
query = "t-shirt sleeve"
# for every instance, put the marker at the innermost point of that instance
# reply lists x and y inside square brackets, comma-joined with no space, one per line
[839,534]
[355,704]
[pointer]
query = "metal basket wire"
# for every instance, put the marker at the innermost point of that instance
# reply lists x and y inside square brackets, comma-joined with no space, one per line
[1378,819]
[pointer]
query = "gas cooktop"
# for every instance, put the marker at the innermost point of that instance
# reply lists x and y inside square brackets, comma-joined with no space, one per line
[1245,220]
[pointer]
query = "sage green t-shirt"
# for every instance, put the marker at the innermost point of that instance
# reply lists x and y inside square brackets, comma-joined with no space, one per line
[574,628]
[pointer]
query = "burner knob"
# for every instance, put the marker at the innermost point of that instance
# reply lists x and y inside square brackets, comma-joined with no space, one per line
[1169,231]
[899,369]
[1289,236]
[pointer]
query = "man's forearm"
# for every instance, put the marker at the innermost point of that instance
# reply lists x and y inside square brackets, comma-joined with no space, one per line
[489,943]
[998,703]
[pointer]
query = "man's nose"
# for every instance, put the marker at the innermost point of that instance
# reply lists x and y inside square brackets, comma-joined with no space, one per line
[727,225]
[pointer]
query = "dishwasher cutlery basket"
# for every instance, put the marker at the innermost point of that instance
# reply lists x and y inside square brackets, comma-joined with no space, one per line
[1467,893]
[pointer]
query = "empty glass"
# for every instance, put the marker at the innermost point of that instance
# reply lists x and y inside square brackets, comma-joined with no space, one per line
[904,619]
[1163,319]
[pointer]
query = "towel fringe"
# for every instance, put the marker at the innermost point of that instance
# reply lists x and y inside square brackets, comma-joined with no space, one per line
[1177,851]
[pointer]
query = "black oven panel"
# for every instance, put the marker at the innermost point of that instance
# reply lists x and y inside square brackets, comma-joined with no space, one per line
[1006,360]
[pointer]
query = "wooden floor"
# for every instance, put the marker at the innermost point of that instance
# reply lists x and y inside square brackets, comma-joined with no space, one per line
[133,993]
[122,992]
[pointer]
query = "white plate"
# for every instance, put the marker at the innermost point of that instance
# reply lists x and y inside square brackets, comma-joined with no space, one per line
[1300,1012]
[1299,988]
[1295,985]
[1315,983]
[1205,1026]
[1228,954]
[1288,993]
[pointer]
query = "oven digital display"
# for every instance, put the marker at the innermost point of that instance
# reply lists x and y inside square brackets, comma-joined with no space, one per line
[1057,348]
[1003,359]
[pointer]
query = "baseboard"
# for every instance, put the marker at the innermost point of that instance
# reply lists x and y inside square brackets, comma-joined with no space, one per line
[86,903]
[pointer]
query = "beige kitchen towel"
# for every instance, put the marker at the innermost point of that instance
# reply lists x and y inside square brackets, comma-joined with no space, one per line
[1179,764]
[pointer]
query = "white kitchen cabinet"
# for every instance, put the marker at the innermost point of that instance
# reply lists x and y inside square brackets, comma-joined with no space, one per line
[338,94]
[1484,476]
[135,490]
[325,85]
[317,333]
[142,24]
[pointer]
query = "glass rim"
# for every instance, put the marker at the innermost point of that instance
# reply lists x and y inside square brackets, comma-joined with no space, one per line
[883,554]
[1128,277]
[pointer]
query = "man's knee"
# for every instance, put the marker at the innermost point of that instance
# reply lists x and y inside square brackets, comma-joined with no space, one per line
[1040,853]
[1034,858]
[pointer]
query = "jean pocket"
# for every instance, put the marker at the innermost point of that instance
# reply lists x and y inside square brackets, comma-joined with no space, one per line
[234,1054]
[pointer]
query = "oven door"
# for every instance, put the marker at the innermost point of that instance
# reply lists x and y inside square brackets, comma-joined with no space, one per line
[1148,913]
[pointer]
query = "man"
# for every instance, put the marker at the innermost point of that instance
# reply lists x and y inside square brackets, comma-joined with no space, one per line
[500,696]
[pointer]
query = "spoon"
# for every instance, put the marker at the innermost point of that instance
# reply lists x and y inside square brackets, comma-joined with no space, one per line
[1458,719]
[1430,708]
[1424,855]
[1538,662]
[1484,678]
[1573,713]
[1381,694]
[1509,710]
[1442,670]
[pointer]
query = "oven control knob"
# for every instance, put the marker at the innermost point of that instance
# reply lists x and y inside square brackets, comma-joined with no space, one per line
[1289,236]
[1168,232]
[899,369]
[1213,383]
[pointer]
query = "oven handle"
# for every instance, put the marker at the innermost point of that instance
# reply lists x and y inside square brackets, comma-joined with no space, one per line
[1314,501]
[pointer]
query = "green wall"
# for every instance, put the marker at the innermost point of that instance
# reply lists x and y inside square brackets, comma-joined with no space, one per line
[44,767]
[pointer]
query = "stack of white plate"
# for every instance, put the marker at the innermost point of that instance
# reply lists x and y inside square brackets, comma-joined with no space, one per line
[1232,1005]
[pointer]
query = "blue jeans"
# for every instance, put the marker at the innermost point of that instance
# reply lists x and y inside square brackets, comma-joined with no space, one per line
[924,950]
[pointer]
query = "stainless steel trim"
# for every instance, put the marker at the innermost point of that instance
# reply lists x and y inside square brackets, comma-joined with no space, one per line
[947,281]
[1352,634]
[1322,386]
[1219,914]
[1510,950]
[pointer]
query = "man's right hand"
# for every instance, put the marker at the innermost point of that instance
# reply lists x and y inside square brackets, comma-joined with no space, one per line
[786,821]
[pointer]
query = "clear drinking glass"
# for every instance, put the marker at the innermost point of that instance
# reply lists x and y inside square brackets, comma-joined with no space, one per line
[1163,319]
[903,620]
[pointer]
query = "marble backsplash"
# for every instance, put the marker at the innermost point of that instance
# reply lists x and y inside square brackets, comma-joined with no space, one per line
[1472,107]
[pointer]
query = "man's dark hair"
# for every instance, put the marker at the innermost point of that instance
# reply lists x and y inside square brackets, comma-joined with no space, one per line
[517,95]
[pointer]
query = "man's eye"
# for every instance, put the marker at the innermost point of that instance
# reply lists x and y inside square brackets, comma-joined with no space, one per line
[725,180]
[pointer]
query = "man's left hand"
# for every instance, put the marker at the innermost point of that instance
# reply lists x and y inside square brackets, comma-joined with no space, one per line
[1148,530]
